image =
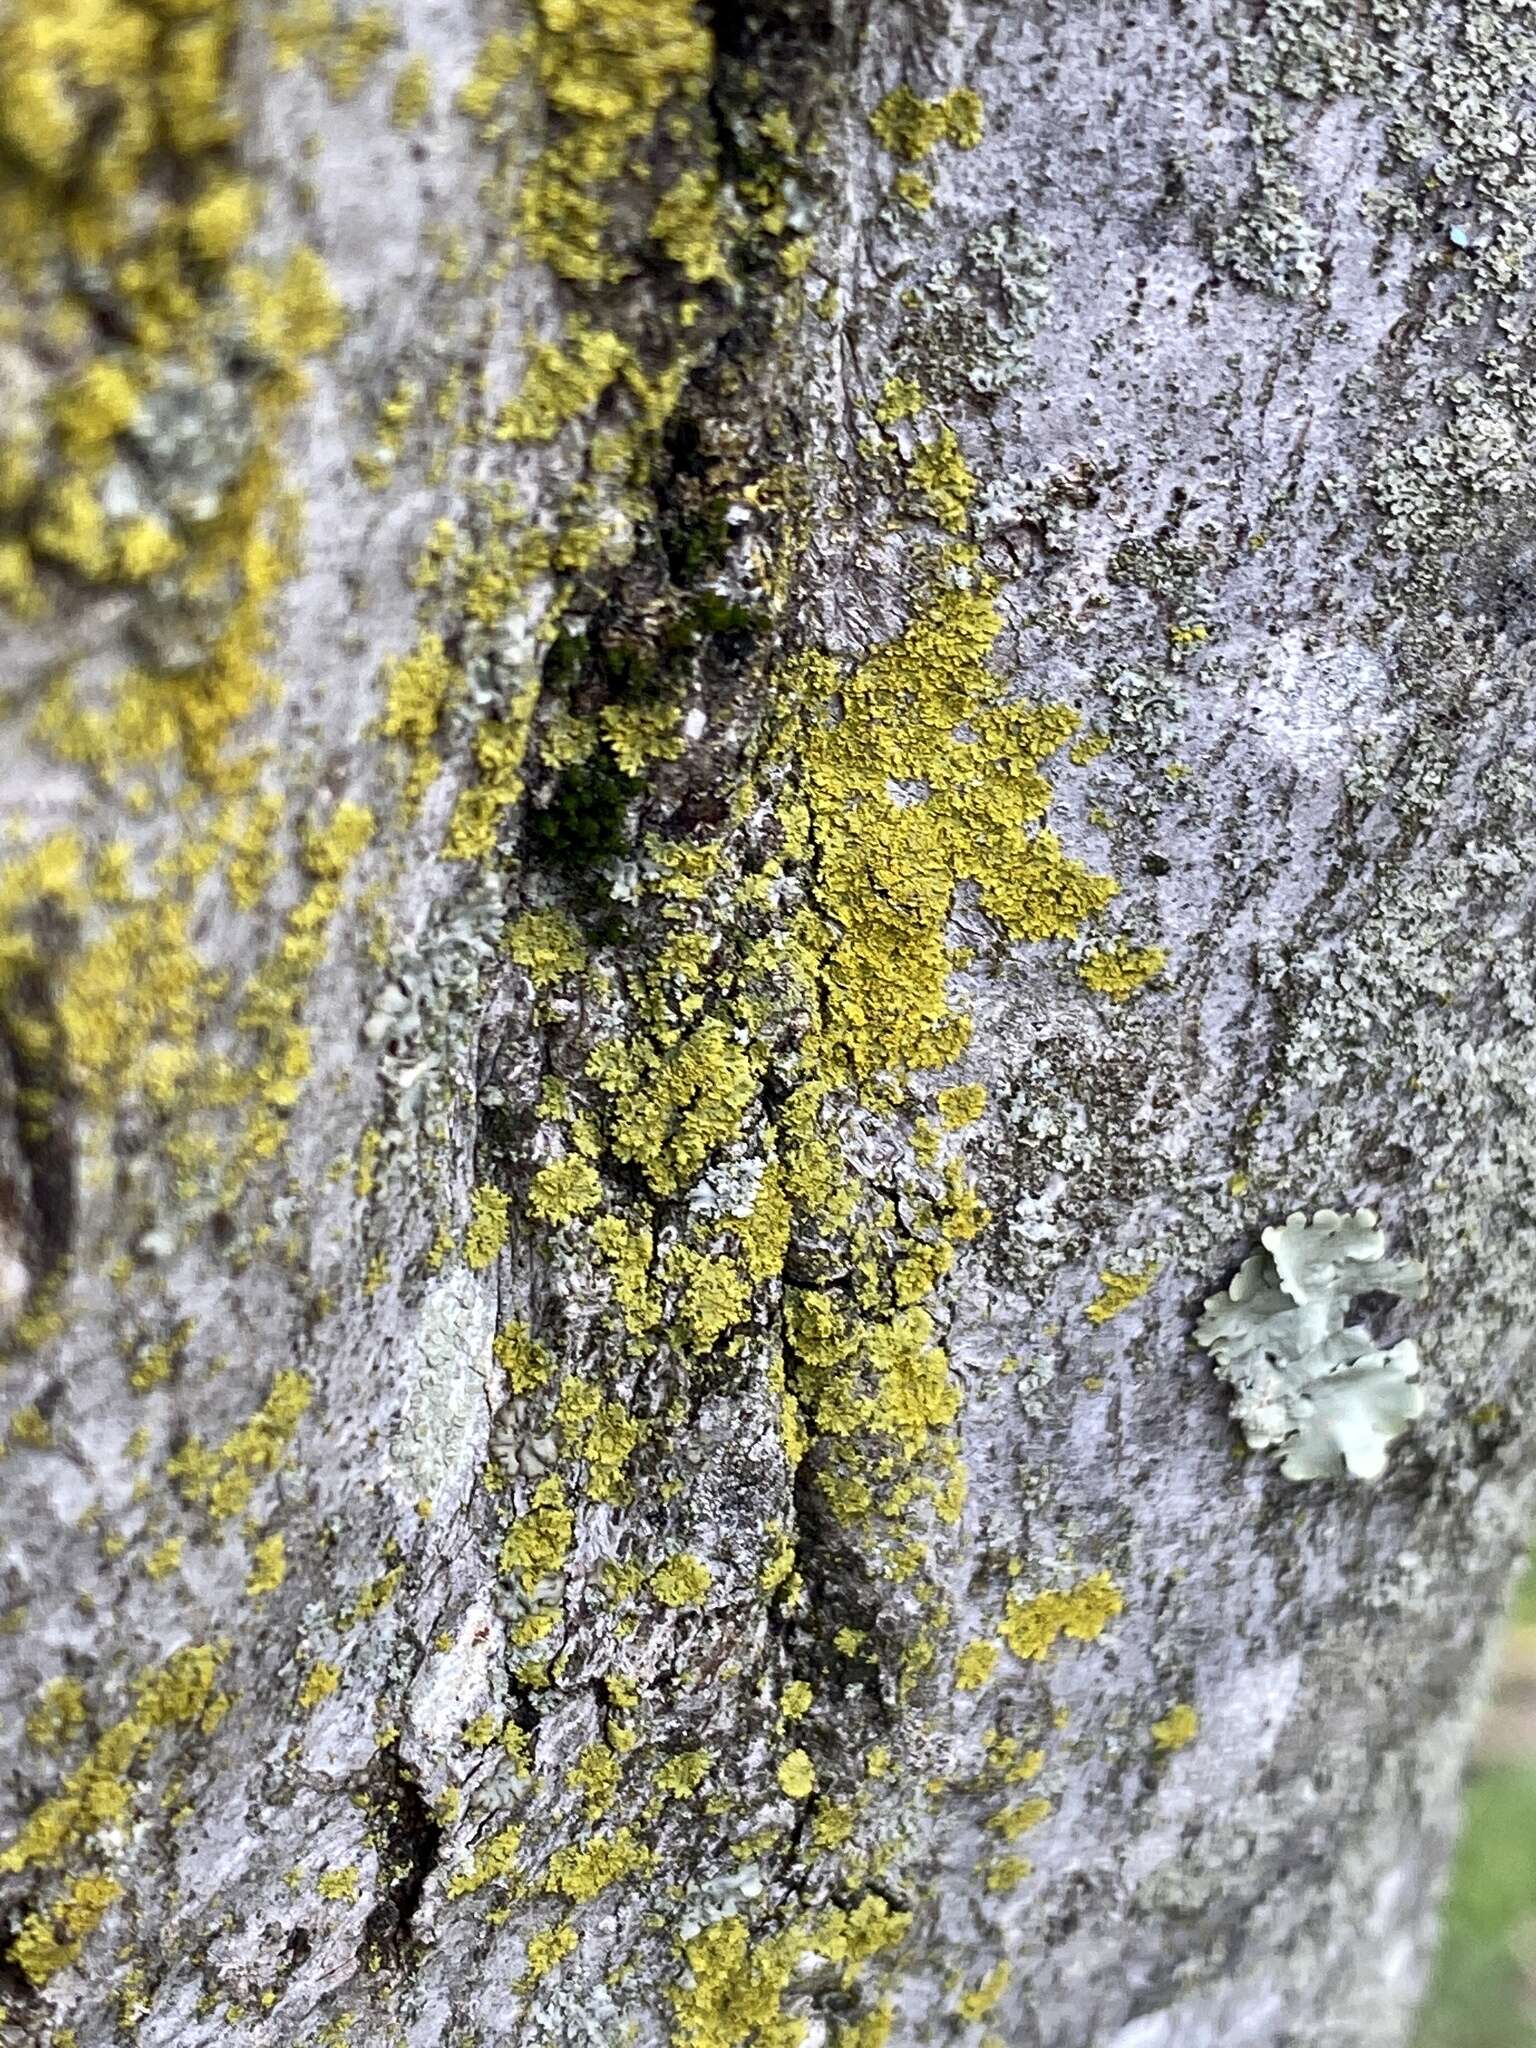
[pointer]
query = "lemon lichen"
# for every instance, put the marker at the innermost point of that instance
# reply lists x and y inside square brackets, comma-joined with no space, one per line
[910,127]
[486,1238]
[1031,1628]
[1178,1727]
[682,1581]
[1118,1290]
[1119,971]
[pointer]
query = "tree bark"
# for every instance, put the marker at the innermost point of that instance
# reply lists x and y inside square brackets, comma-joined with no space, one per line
[734,735]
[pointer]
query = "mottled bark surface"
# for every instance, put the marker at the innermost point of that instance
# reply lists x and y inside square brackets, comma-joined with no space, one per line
[705,819]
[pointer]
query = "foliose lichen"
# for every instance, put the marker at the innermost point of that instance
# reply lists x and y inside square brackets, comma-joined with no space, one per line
[1305,1381]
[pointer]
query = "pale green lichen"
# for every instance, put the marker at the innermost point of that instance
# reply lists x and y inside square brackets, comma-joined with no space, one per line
[1305,1382]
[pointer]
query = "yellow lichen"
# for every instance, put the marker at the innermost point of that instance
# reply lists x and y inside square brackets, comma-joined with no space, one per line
[100,1795]
[1118,1290]
[223,1480]
[417,687]
[1119,971]
[412,95]
[59,1715]
[486,1238]
[1012,1821]
[545,1949]
[548,944]
[796,1775]
[608,69]
[682,1581]
[565,1190]
[1180,1725]
[269,1567]
[900,399]
[942,477]
[910,127]
[495,1861]
[49,1941]
[320,1681]
[579,1872]
[682,1775]
[539,1542]
[1031,1628]
[974,1665]
[978,2002]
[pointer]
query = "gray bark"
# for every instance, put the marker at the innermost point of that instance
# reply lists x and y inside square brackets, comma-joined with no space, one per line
[1228,314]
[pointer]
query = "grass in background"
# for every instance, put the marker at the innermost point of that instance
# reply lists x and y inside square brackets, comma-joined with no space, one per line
[1484,1989]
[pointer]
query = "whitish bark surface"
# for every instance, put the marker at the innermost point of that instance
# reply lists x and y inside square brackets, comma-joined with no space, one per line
[604,1203]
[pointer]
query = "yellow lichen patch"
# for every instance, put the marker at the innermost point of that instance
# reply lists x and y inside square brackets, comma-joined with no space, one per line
[1006,1872]
[978,2002]
[910,127]
[923,714]
[601,1431]
[223,1480]
[900,399]
[49,1941]
[417,686]
[639,734]
[101,1795]
[565,1190]
[914,190]
[608,69]
[548,944]
[1031,1628]
[412,95]
[734,1997]
[546,1949]
[961,1106]
[673,1106]
[581,1871]
[269,1567]
[1118,1290]
[682,1581]
[499,748]
[974,1666]
[494,1861]
[539,1542]
[942,478]
[499,63]
[339,1885]
[1119,971]
[1179,1726]
[686,226]
[682,1775]
[796,1775]
[486,1238]
[1009,1762]
[526,1362]
[320,1682]
[1013,1821]
[714,1297]
[59,1715]
[595,1774]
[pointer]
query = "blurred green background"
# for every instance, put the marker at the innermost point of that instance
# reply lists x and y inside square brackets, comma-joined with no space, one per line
[1484,1990]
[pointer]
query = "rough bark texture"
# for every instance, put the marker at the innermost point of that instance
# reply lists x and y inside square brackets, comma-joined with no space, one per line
[706,820]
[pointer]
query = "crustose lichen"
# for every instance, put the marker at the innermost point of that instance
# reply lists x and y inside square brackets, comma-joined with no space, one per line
[1306,1382]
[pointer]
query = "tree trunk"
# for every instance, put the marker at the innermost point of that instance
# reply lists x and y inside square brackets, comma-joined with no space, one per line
[734,739]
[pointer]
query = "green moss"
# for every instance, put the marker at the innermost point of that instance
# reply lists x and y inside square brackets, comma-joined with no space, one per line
[584,824]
